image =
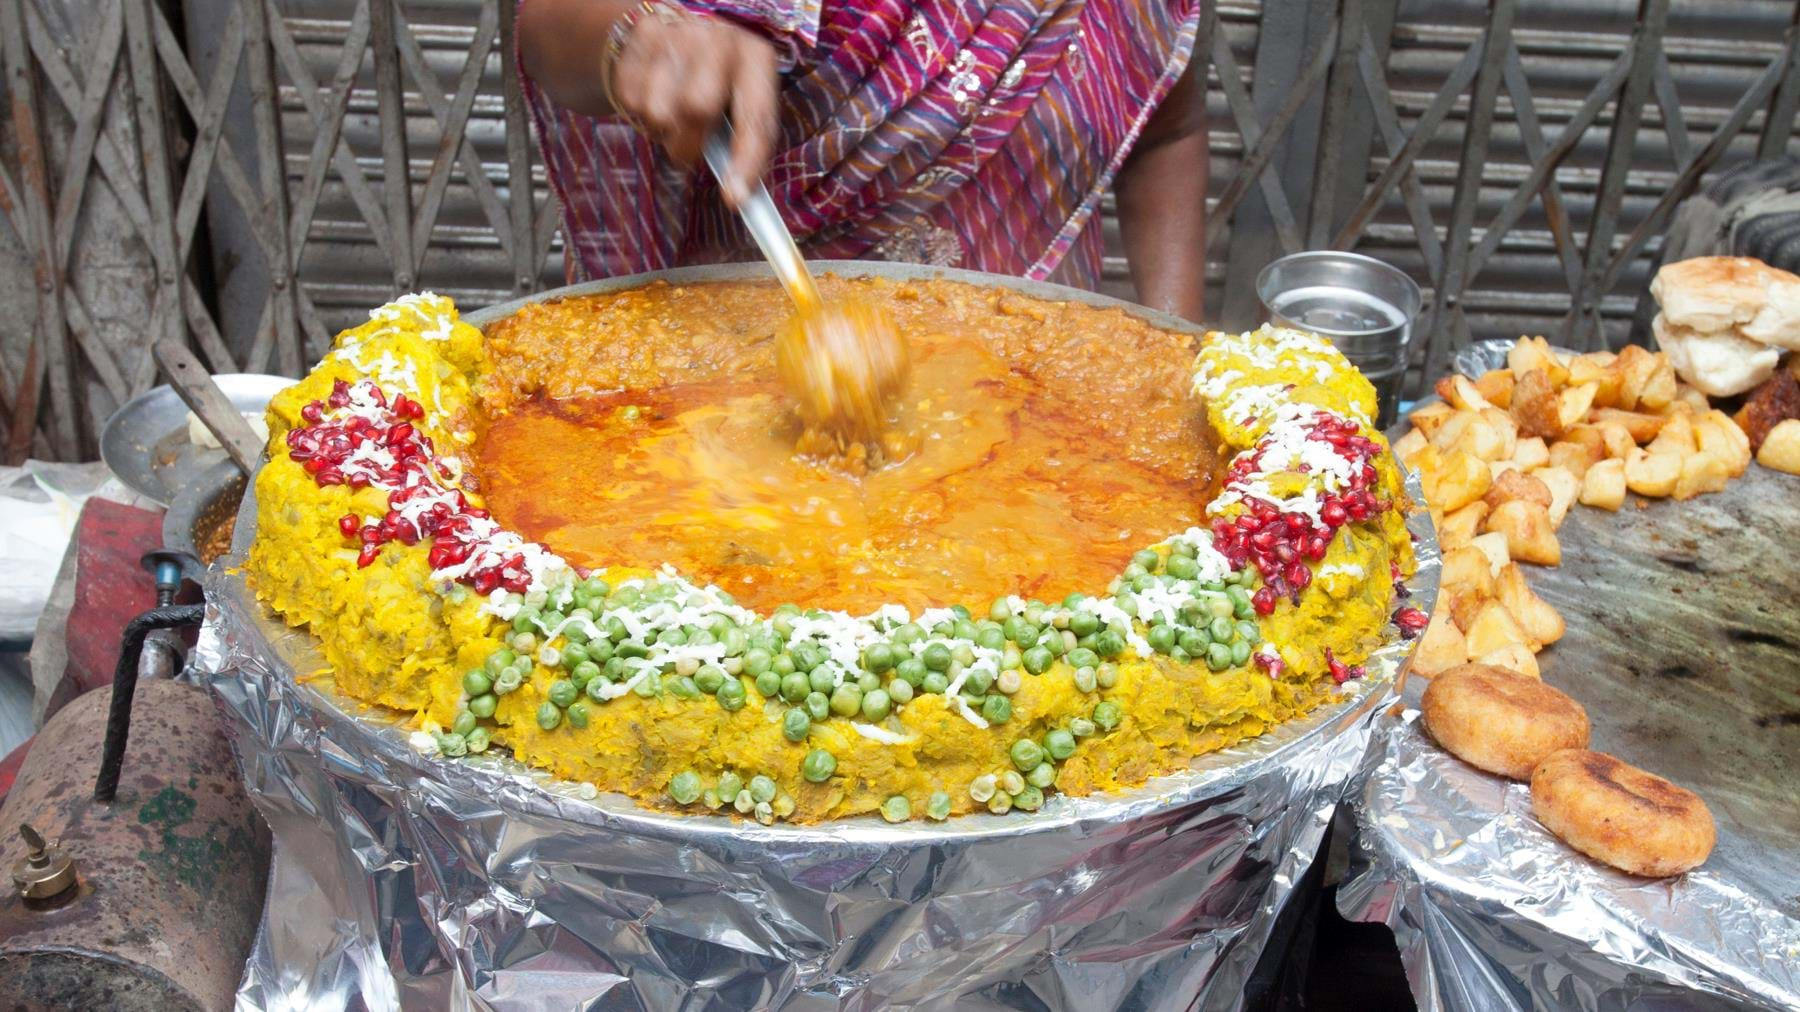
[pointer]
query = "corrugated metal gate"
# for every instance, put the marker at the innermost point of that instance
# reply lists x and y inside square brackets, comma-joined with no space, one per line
[1479,144]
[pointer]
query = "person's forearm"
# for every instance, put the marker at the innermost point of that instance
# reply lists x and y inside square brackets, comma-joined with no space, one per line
[560,42]
[1162,205]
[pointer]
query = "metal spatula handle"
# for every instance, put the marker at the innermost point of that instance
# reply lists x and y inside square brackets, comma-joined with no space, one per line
[765,225]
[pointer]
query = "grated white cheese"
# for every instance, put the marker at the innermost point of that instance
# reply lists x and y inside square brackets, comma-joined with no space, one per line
[880,734]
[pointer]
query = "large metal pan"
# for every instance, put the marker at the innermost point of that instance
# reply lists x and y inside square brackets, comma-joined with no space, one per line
[1149,897]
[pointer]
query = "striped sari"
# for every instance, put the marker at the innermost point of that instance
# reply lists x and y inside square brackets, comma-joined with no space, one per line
[971,133]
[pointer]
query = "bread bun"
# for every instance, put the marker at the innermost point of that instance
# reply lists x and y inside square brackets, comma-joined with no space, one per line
[1719,363]
[1742,294]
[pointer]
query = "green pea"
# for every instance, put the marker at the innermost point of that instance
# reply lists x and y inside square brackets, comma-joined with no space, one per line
[596,586]
[477,741]
[898,691]
[1146,559]
[1000,803]
[648,686]
[1042,775]
[807,657]
[1132,572]
[483,706]
[477,682]
[1011,657]
[684,688]
[673,637]
[877,704]
[1218,657]
[783,806]
[562,692]
[1193,641]
[1028,635]
[1037,660]
[464,723]
[1084,623]
[911,670]
[1085,680]
[1030,799]
[818,705]
[709,678]
[846,700]
[453,745]
[526,620]
[1011,782]
[573,654]
[768,684]
[600,651]
[1109,643]
[731,695]
[762,789]
[584,673]
[909,633]
[962,629]
[937,807]
[1240,654]
[1182,567]
[783,664]
[1249,633]
[1107,715]
[1106,675]
[818,766]
[896,809]
[1060,744]
[685,787]
[549,715]
[868,682]
[596,689]
[631,648]
[1026,753]
[736,642]
[578,714]
[1081,727]
[978,683]
[937,657]
[500,659]
[1241,605]
[879,658]
[1183,548]
[990,638]
[1000,610]
[729,785]
[1221,629]
[794,686]
[795,725]
[1082,657]
[1127,604]
[935,683]
[819,680]
[756,661]
[997,709]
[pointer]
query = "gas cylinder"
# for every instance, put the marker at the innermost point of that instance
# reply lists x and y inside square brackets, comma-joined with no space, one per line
[150,900]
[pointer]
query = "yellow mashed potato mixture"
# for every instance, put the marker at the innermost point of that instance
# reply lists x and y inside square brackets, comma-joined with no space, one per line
[1089,552]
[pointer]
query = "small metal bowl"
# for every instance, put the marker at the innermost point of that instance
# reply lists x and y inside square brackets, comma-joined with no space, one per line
[146,442]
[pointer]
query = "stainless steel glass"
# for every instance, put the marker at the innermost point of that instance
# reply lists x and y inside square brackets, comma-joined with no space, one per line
[1362,305]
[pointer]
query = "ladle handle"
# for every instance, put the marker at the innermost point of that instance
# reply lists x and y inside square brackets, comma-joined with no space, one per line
[765,225]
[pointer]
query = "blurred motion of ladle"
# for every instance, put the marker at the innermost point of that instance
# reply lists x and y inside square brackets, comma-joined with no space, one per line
[764,224]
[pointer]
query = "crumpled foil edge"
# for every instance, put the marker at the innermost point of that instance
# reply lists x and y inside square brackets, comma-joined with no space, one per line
[1491,911]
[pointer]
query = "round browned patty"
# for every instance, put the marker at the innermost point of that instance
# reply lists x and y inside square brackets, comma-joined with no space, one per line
[1500,721]
[1614,812]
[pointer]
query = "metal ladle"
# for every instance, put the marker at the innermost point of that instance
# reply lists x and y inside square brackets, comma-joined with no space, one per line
[843,361]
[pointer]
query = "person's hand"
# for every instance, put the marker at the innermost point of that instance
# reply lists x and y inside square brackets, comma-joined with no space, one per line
[678,77]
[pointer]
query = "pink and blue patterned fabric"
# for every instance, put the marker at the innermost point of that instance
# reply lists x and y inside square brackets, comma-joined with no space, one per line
[972,133]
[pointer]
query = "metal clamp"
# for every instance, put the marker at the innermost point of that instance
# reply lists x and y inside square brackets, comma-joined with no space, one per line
[44,871]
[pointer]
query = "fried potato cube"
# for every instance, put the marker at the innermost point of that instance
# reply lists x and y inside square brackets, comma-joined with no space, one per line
[1564,487]
[1573,457]
[1468,568]
[1535,405]
[1660,388]
[1442,646]
[1460,479]
[1514,657]
[1540,622]
[1643,428]
[1493,629]
[1494,547]
[1597,368]
[1531,453]
[1692,397]
[1716,433]
[1701,472]
[1461,392]
[1676,436]
[1635,365]
[1502,422]
[1603,486]
[1470,432]
[1781,447]
[1651,474]
[1427,418]
[1530,537]
[1515,484]
[1459,527]
[1496,385]
[1574,403]
[1534,353]
[1408,446]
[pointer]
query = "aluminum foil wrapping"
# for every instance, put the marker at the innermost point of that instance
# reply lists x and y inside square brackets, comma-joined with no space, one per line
[404,880]
[1683,643]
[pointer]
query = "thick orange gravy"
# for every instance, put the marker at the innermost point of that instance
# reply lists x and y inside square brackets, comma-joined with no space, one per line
[1051,442]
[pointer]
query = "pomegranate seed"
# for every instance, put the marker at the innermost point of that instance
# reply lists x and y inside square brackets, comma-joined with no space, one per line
[329,476]
[1297,574]
[1334,514]
[399,434]
[312,412]
[367,555]
[372,535]
[1264,600]
[1411,621]
[1338,672]
[349,524]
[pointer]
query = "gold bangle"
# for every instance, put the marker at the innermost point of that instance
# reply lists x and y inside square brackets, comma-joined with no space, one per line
[617,37]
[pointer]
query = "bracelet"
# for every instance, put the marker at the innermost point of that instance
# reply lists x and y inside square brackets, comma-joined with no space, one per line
[616,38]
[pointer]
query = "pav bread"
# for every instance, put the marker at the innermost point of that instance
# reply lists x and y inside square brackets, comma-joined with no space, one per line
[1725,321]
